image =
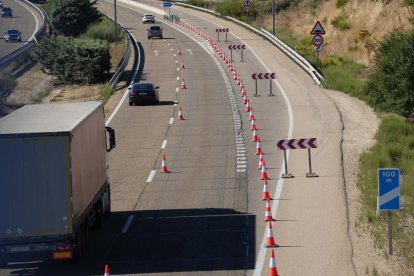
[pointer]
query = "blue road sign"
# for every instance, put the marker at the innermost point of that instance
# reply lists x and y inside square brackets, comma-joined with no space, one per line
[167,4]
[388,189]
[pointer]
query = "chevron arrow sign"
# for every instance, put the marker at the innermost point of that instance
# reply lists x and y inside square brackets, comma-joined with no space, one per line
[304,143]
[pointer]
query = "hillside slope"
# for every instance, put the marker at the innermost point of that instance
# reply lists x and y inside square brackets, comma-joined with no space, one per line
[364,24]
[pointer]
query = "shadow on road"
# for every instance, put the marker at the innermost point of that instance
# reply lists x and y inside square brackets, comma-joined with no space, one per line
[186,240]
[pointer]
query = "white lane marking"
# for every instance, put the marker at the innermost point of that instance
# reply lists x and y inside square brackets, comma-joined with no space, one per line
[128,224]
[190,51]
[168,44]
[156,52]
[172,49]
[37,22]
[176,61]
[178,68]
[176,90]
[178,78]
[151,176]
[175,55]
[171,121]
[164,144]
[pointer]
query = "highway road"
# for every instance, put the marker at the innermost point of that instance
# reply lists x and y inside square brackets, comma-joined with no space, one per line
[25,18]
[206,216]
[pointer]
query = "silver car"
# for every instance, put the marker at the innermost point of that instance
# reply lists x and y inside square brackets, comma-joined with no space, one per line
[148,18]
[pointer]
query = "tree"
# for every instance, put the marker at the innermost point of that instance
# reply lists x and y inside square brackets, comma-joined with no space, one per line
[391,87]
[72,17]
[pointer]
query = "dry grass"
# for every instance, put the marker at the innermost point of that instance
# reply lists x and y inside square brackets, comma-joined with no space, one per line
[75,93]
[370,21]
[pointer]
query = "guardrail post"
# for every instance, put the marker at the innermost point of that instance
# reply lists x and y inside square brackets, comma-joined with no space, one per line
[255,94]
[226,35]
[242,55]
[271,93]
[231,54]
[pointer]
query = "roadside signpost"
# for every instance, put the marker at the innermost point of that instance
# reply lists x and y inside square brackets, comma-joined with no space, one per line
[247,6]
[167,5]
[263,76]
[221,30]
[236,47]
[304,143]
[388,198]
[317,40]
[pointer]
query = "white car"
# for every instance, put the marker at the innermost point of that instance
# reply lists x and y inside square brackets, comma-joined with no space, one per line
[148,18]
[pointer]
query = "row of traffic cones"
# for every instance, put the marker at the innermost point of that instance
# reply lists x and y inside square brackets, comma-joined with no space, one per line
[268,218]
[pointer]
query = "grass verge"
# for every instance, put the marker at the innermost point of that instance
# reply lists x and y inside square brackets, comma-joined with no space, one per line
[394,149]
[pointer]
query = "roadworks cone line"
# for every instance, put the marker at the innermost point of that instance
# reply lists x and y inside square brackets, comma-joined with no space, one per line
[268,211]
[258,149]
[265,195]
[263,174]
[255,138]
[164,165]
[180,114]
[106,270]
[272,265]
[183,86]
[261,161]
[270,240]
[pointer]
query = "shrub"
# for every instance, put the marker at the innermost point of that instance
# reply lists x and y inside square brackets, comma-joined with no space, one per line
[340,3]
[341,23]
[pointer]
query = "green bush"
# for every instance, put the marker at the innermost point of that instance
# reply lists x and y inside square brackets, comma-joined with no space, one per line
[7,83]
[341,23]
[103,30]
[391,88]
[75,61]
[340,3]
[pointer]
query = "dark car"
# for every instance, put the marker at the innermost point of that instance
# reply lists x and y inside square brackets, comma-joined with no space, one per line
[12,35]
[6,12]
[154,31]
[143,92]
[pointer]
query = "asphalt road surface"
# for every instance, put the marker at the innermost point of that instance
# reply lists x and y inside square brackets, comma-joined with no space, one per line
[206,216]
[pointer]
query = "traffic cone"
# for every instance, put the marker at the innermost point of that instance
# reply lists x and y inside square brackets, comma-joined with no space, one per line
[265,194]
[243,93]
[253,125]
[258,148]
[182,64]
[272,265]
[234,75]
[270,240]
[241,87]
[255,137]
[263,174]
[248,108]
[183,86]
[179,51]
[164,165]
[245,99]
[268,211]
[261,161]
[238,80]
[180,114]
[251,116]
[106,270]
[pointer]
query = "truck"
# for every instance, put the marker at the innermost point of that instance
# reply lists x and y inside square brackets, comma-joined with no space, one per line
[54,185]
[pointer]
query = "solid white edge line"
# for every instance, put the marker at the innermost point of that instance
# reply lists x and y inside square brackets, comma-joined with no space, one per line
[116,108]
[128,224]
[151,176]
[37,21]
[164,144]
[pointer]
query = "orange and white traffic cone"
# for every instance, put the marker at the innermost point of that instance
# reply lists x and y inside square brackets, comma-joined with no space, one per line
[241,87]
[179,51]
[180,114]
[183,86]
[253,125]
[248,107]
[268,211]
[234,75]
[263,174]
[243,93]
[182,64]
[272,265]
[164,165]
[258,148]
[270,240]
[106,270]
[255,138]
[251,116]
[238,80]
[265,194]
[245,99]
[261,162]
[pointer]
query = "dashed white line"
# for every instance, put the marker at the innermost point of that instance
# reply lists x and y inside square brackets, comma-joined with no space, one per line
[128,224]
[151,176]
[171,120]
[164,144]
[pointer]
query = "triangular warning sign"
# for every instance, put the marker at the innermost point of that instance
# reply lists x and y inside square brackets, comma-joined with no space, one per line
[317,29]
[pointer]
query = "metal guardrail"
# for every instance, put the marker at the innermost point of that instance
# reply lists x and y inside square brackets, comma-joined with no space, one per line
[298,59]
[29,45]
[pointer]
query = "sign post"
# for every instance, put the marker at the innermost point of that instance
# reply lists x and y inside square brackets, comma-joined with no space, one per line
[317,40]
[389,196]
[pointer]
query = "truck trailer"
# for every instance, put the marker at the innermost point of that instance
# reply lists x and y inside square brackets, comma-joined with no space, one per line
[54,185]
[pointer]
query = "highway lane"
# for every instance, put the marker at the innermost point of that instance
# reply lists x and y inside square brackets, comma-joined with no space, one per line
[25,18]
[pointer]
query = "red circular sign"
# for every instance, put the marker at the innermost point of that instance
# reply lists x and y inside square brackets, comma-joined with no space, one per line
[317,40]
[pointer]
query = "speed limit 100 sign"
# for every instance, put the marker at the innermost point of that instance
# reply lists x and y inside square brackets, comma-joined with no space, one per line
[317,40]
